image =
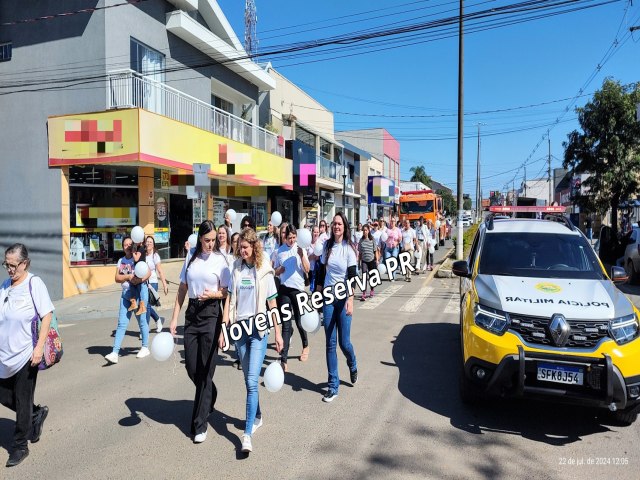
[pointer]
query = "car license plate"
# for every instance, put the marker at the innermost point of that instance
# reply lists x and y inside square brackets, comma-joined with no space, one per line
[548,372]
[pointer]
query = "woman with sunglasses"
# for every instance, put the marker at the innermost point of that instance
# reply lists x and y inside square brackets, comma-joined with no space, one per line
[252,288]
[338,264]
[204,279]
[23,296]
[291,265]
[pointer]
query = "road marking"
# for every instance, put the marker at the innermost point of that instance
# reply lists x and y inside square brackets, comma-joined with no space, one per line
[376,301]
[61,325]
[417,300]
[454,305]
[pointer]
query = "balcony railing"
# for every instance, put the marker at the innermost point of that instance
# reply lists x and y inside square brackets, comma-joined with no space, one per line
[328,169]
[129,89]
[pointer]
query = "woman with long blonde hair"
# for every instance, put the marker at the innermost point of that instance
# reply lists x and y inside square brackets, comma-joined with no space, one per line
[251,288]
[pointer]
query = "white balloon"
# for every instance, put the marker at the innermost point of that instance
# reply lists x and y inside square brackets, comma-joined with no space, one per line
[382,268]
[137,234]
[162,346]
[304,237]
[193,240]
[417,254]
[318,248]
[384,236]
[273,377]
[141,269]
[232,215]
[276,219]
[310,321]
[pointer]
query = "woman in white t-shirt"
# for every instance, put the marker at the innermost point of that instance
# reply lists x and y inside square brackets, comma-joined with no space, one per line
[251,289]
[153,260]
[223,245]
[22,298]
[205,280]
[338,264]
[291,264]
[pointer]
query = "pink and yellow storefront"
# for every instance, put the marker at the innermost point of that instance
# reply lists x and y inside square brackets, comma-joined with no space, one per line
[122,168]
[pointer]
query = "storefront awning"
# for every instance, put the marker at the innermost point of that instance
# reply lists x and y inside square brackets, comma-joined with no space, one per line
[140,138]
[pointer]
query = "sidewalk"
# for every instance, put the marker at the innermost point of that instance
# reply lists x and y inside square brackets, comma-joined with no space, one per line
[104,302]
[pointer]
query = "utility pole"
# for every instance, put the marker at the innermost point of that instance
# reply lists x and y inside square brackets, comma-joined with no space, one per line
[524,181]
[459,249]
[513,195]
[550,184]
[478,190]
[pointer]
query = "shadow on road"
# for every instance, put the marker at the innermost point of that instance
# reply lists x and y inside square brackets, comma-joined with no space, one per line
[7,428]
[178,413]
[428,359]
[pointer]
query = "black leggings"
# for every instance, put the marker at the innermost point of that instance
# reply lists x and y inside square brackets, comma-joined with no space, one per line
[287,295]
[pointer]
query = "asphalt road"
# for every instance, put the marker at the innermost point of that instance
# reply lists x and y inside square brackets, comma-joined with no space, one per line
[402,420]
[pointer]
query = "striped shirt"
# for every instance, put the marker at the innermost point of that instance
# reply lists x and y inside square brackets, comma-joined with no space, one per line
[366,248]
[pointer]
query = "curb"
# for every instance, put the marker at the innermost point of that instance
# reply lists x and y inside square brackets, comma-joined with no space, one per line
[444,272]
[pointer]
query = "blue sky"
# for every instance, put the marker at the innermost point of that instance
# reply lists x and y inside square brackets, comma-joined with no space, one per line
[513,66]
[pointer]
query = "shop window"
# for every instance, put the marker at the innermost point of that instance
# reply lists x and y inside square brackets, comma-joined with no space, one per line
[103,208]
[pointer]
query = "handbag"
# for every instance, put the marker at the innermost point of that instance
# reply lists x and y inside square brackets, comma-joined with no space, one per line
[53,344]
[154,297]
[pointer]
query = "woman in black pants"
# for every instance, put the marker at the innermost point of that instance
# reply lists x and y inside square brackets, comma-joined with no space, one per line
[205,278]
[291,264]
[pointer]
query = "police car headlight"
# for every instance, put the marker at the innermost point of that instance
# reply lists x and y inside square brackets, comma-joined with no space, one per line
[491,319]
[624,329]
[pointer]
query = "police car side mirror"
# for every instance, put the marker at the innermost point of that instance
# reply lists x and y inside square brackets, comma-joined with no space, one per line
[461,268]
[618,275]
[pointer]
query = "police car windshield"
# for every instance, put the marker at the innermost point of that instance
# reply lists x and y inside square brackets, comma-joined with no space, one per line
[538,255]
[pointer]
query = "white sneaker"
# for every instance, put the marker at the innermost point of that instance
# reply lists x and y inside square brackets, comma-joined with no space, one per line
[144,352]
[159,324]
[257,423]
[199,438]
[112,357]
[246,444]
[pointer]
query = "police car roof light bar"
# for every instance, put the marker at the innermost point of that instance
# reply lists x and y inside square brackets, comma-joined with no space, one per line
[553,213]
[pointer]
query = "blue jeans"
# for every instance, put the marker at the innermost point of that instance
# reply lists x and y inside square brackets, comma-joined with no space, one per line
[123,321]
[251,352]
[139,292]
[151,313]
[391,252]
[338,323]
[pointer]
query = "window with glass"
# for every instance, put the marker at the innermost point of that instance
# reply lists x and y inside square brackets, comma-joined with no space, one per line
[325,148]
[151,64]
[305,136]
[103,204]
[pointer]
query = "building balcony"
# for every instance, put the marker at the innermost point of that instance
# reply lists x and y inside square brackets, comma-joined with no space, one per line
[328,173]
[129,89]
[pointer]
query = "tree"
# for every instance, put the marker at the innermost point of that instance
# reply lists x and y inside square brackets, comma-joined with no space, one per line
[466,204]
[448,202]
[419,174]
[608,148]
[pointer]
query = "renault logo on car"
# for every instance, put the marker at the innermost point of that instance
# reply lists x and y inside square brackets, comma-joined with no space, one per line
[559,329]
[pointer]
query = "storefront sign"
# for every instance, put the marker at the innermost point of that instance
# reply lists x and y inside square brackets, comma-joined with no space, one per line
[94,243]
[309,200]
[161,212]
[105,216]
[161,235]
[165,179]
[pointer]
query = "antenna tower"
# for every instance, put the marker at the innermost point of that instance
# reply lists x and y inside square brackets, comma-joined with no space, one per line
[250,20]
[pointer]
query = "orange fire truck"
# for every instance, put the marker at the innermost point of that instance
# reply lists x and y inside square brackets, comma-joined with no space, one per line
[426,204]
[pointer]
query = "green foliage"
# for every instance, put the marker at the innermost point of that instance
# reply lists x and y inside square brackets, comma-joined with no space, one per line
[608,147]
[448,202]
[271,128]
[419,174]
[466,204]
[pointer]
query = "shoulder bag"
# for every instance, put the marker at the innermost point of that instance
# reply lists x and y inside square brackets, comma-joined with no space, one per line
[53,344]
